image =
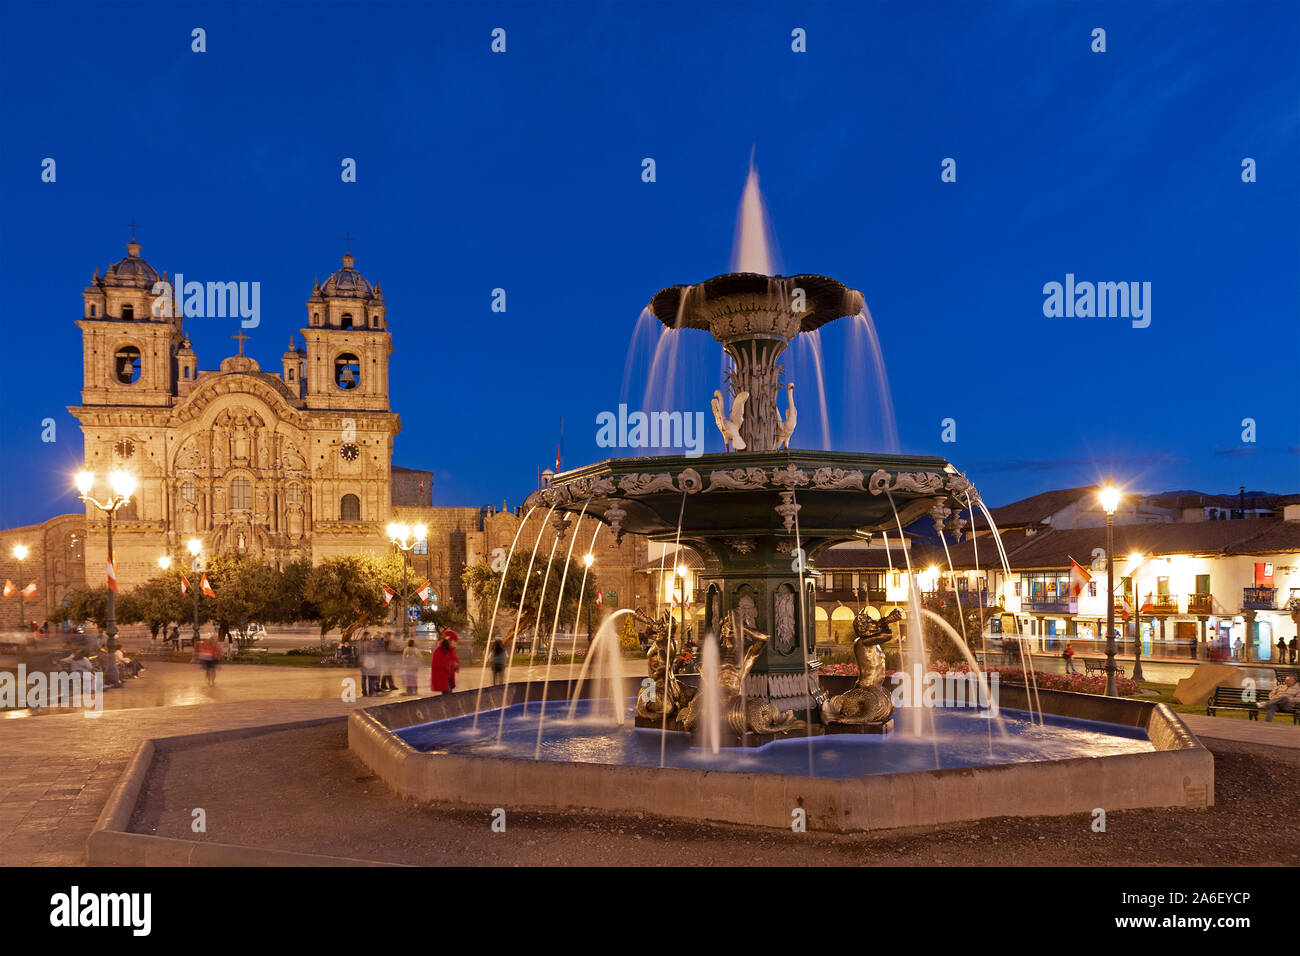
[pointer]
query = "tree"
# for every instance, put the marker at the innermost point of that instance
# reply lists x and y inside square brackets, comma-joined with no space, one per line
[483,582]
[289,603]
[155,603]
[347,591]
[245,589]
[88,604]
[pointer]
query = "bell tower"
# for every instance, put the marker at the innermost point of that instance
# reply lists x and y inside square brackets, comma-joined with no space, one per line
[347,343]
[130,331]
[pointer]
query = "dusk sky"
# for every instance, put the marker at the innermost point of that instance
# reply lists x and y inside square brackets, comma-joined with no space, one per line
[523,171]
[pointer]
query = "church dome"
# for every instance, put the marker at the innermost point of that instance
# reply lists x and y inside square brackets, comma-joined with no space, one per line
[131,272]
[348,282]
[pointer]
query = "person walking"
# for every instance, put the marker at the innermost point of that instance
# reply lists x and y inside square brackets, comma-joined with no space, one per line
[1068,654]
[1281,650]
[1291,650]
[499,660]
[387,655]
[445,663]
[207,652]
[368,665]
[411,668]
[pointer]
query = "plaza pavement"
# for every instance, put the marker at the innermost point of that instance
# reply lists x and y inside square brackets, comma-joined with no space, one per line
[57,768]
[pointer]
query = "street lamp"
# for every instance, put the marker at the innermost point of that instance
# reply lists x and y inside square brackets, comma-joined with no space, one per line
[196,567]
[406,537]
[1138,560]
[122,486]
[1109,497]
[20,552]
[164,561]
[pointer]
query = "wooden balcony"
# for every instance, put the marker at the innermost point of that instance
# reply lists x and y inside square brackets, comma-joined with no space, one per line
[1259,599]
[1200,604]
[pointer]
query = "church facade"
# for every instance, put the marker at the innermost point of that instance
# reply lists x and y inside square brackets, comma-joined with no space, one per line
[280,465]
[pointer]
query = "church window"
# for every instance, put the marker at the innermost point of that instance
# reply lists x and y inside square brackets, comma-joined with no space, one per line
[187,491]
[240,492]
[74,547]
[347,371]
[128,511]
[346,320]
[127,365]
[421,547]
[350,508]
[92,311]
[291,375]
[315,318]
[295,494]
[128,312]
[187,371]
[374,321]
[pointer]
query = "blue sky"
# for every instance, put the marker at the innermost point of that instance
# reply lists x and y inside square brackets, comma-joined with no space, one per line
[522,171]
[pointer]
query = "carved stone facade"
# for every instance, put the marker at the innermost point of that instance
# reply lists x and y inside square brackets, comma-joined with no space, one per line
[287,465]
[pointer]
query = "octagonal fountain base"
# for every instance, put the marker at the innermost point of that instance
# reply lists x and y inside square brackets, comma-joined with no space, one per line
[1172,770]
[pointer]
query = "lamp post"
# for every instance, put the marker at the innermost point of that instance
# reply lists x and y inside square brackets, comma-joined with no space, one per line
[1109,497]
[1137,615]
[20,552]
[406,537]
[196,568]
[121,485]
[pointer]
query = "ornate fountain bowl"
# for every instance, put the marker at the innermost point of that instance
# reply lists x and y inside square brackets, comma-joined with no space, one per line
[757,520]
[747,303]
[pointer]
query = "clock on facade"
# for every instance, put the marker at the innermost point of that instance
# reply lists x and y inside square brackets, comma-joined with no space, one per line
[349,452]
[124,449]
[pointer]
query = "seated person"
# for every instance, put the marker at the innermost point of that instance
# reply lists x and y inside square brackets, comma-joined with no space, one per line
[125,666]
[1284,697]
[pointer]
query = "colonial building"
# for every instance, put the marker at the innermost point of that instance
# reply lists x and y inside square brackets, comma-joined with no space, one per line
[281,465]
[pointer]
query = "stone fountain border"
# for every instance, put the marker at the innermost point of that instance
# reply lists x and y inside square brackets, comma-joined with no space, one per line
[1179,773]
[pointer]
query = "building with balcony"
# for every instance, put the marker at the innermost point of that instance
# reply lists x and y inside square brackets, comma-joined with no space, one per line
[1195,589]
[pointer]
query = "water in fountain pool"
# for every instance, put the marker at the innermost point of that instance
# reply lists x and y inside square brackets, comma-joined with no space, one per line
[961,736]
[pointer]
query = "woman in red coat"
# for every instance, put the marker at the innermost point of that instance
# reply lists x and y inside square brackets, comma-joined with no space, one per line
[445,663]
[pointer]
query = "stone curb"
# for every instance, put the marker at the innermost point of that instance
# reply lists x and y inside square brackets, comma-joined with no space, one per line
[111,844]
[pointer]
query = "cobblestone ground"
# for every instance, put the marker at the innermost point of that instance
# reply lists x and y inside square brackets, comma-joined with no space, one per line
[57,769]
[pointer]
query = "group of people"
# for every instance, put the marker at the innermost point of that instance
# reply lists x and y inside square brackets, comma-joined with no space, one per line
[1284,651]
[383,661]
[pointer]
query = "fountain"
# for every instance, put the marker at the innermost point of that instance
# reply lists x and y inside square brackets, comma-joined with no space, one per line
[759,514]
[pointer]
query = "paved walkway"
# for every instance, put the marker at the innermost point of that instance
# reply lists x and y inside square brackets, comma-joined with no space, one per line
[57,769]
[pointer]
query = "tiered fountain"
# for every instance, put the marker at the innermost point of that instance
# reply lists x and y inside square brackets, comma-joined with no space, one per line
[715,746]
[759,515]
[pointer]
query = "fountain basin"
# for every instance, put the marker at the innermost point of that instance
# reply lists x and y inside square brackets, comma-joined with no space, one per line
[1170,768]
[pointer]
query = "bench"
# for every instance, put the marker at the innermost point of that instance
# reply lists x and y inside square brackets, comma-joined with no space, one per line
[1093,666]
[1234,698]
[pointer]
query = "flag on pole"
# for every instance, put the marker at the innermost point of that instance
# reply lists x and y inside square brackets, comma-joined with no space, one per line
[600,598]
[1147,606]
[9,589]
[425,592]
[185,585]
[112,576]
[29,592]
[205,587]
[1079,578]
[389,594]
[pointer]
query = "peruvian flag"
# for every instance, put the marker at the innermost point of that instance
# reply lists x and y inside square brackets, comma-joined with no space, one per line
[185,584]
[389,594]
[677,600]
[557,458]
[425,592]
[600,598]
[112,576]
[1146,604]
[1125,609]
[205,587]
[29,592]
[9,589]
[1079,578]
